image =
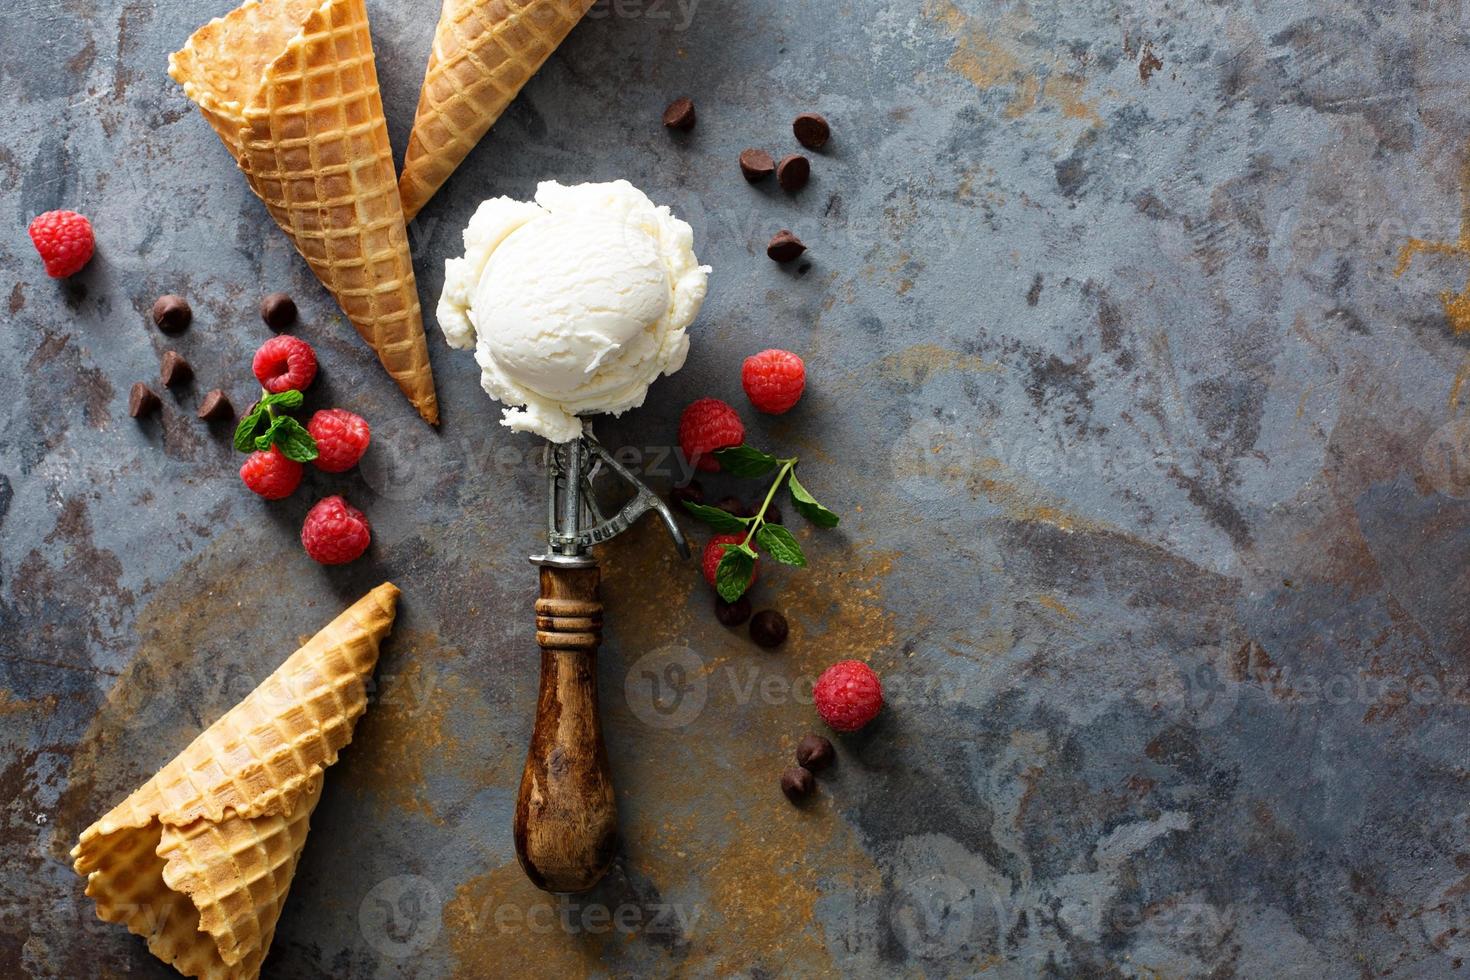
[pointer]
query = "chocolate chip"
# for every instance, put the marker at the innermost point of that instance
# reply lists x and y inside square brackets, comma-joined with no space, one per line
[797,783]
[732,613]
[756,164]
[768,628]
[142,401]
[680,115]
[814,753]
[693,492]
[733,505]
[784,246]
[216,405]
[278,311]
[793,172]
[171,313]
[811,130]
[176,370]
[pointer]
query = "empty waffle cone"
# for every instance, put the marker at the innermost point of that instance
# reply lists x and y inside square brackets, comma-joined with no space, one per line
[291,88]
[199,859]
[484,52]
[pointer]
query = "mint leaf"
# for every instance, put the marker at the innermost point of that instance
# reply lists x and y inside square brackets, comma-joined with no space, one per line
[781,544]
[288,399]
[246,431]
[264,440]
[293,439]
[746,461]
[808,506]
[732,575]
[720,520]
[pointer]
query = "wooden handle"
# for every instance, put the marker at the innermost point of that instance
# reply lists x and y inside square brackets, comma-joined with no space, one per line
[566,816]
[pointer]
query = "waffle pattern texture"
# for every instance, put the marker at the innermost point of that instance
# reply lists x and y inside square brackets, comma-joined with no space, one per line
[199,859]
[291,88]
[484,52]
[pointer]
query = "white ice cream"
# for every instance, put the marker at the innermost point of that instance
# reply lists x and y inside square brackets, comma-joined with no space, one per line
[574,304]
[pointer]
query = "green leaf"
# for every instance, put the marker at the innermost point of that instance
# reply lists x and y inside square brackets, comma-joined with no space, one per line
[246,430]
[746,461]
[288,399]
[732,575]
[720,520]
[264,440]
[293,439]
[781,544]
[808,506]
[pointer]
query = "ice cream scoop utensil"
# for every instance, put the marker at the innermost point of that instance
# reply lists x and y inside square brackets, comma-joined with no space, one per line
[566,813]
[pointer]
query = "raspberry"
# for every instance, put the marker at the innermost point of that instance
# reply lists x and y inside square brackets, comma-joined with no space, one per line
[64,239]
[283,363]
[341,439]
[270,474]
[848,695]
[713,553]
[335,532]
[773,380]
[705,426]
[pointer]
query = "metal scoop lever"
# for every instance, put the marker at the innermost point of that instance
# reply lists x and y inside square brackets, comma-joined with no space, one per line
[574,520]
[566,818]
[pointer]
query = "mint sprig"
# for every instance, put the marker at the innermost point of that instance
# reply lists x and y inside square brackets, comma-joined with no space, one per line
[732,575]
[262,428]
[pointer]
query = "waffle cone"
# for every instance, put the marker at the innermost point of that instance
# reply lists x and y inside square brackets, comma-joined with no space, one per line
[199,859]
[291,88]
[484,52]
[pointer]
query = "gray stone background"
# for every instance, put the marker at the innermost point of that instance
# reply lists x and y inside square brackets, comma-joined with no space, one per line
[1153,477]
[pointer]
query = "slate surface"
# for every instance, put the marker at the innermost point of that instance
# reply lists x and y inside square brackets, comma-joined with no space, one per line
[1153,475]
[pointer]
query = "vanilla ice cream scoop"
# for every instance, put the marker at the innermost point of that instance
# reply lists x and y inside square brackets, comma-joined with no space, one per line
[574,304]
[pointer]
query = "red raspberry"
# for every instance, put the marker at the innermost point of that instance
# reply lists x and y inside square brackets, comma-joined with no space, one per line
[848,695]
[705,426]
[773,380]
[284,362]
[341,439]
[271,474]
[65,241]
[335,532]
[713,553]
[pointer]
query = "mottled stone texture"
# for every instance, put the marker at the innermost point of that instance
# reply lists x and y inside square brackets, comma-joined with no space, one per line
[1154,480]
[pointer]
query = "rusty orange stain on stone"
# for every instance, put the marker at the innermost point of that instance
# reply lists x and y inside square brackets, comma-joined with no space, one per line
[988,62]
[1456,305]
[915,363]
[1056,606]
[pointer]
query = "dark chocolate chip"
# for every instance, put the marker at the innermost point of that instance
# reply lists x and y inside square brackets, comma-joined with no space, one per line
[768,628]
[216,405]
[693,492]
[142,401]
[733,505]
[814,753]
[756,164]
[278,311]
[793,172]
[784,246]
[680,115]
[176,370]
[732,613]
[797,783]
[811,130]
[171,313]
